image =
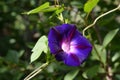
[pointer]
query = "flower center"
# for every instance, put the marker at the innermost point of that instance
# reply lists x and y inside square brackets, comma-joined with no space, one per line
[65,47]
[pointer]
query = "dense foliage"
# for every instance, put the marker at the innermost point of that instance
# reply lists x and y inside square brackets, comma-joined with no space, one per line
[23,22]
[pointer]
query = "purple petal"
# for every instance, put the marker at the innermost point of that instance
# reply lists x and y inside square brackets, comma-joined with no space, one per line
[65,28]
[81,54]
[57,34]
[60,56]
[68,44]
[54,41]
[68,35]
[72,60]
[80,46]
[80,42]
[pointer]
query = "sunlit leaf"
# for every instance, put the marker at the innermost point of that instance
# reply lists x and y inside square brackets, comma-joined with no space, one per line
[50,9]
[40,46]
[108,38]
[71,75]
[59,11]
[43,8]
[38,9]
[89,5]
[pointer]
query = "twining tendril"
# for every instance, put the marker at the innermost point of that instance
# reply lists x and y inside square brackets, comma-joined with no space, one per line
[91,25]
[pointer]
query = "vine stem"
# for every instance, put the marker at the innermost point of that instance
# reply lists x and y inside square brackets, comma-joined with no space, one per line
[100,58]
[56,2]
[36,71]
[89,26]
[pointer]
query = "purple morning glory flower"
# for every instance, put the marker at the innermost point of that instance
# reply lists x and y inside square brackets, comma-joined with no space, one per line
[68,44]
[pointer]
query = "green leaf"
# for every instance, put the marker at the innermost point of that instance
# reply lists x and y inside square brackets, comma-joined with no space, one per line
[21,52]
[108,38]
[101,53]
[38,9]
[91,72]
[89,5]
[40,46]
[43,8]
[71,75]
[78,4]
[115,56]
[59,11]
[12,56]
[50,9]
[117,77]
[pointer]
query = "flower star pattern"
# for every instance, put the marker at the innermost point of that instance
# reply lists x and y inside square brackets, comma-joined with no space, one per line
[67,44]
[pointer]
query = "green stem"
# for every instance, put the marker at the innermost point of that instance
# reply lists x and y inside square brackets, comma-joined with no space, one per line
[99,57]
[89,26]
[109,73]
[56,2]
[86,19]
[97,52]
[36,71]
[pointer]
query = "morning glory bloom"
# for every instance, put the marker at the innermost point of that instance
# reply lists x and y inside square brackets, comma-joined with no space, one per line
[67,44]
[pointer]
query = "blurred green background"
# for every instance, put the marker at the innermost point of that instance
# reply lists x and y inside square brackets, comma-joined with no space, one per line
[20,32]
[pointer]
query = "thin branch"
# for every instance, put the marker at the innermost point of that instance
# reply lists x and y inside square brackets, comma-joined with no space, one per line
[109,73]
[36,71]
[89,26]
[103,65]
[56,2]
